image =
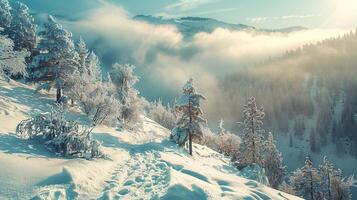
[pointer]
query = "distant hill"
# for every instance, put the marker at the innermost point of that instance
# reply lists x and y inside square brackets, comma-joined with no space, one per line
[189,26]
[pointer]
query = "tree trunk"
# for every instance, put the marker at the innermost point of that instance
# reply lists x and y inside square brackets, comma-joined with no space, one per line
[189,132]
[329,185]
[253,132]
[311,187]
[190,142]
[58,94]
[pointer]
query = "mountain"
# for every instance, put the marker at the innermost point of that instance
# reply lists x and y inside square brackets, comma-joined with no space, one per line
[189,26]
[140,164]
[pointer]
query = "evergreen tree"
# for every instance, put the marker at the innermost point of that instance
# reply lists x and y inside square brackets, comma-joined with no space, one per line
[189,112]
[88,61]
[335,186]
[252,145]
[93,67]
[275,170]
[314,146]
[306,182]
[291,140]
[221,130]
[11,62]
[5,15]
[22,29]
[83,55]
[299,128]
[58,58]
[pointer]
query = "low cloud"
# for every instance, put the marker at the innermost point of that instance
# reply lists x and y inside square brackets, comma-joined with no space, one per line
[257,20]
[166,60]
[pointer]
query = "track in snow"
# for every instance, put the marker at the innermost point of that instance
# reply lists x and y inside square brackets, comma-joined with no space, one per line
[144,176]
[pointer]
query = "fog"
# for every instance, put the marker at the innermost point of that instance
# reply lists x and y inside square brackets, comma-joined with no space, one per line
[165,59]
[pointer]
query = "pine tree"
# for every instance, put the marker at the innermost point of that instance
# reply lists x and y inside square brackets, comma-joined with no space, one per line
[11,62]
[306,182]
[335,186]
[273,162]
[189,112]
[314,146]
[83,55]
[93,67]
[58,58]
[251,146]
[88,61]
[22,29]
[221,129]
[5,15]
[291,140]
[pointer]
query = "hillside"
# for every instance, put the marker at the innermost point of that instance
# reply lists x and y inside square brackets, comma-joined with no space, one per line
[139,165]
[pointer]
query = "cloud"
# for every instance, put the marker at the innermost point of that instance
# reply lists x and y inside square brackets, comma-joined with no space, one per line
[286,17]
[165,60]
[184,5]
[299,16]
[257,19]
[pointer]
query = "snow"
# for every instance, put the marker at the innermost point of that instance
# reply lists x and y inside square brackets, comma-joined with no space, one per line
[140,164]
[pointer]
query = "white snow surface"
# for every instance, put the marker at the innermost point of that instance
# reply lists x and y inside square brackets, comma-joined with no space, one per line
[140,165]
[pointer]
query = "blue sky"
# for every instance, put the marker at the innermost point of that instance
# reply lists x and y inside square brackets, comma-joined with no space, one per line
[260,13]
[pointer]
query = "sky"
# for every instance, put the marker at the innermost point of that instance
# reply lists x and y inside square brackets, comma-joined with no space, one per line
[260,13]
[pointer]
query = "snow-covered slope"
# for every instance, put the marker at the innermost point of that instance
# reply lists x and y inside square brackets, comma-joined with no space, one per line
[140,165]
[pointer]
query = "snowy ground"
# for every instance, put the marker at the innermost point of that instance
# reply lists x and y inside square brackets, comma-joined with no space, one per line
[140,165]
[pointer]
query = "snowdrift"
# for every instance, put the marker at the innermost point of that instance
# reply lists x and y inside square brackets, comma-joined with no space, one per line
[139,165]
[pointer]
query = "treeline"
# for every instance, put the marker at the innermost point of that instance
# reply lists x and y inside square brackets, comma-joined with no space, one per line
[315,82]
[254,148]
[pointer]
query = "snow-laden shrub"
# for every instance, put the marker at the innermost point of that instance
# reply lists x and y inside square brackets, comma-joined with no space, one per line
[61,136]
[226,144]
[179,136]
[77,144]
[95,98]
[162,115]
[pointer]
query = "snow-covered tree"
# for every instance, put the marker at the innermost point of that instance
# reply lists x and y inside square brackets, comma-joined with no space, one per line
[58,58]
[252,145]
[5,14]
[95,98]
[88,61]
[335,185]
[275,170]
[123,79]
[221,129]
[22,29]
[93,67]
[306,182]
[189,114]
[314,145]
[291,140]
[83,55]
[162,114]
[11,62]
